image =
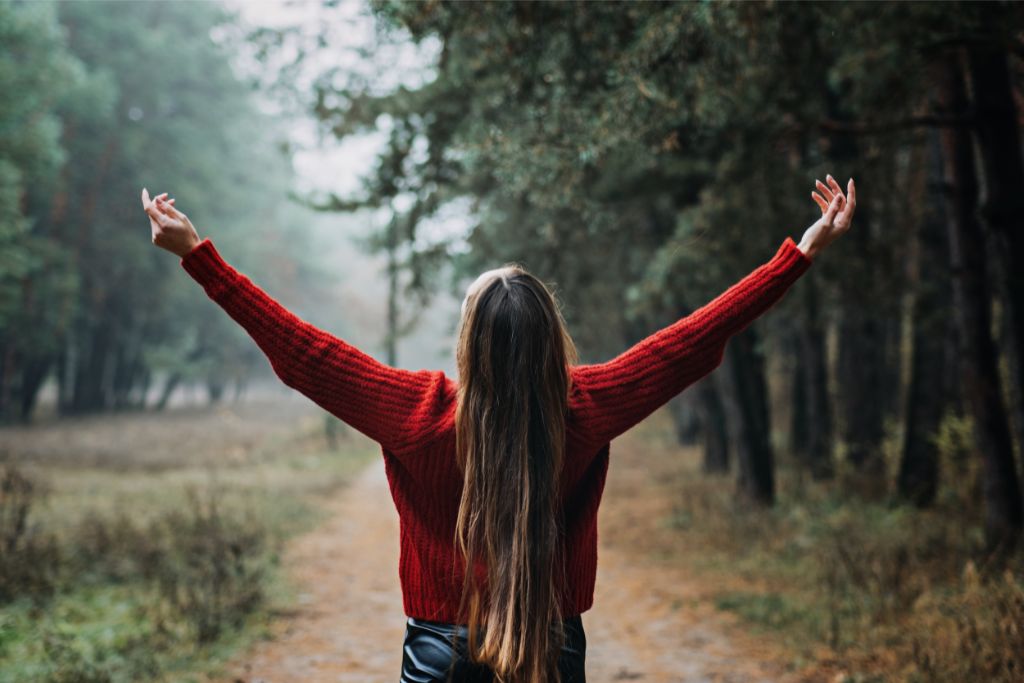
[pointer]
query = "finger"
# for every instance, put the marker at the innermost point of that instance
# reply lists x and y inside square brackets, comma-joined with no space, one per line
[171,200]
[156,215]
[845,218]
[820,201]
[833,208]
[851,198]
[838,191]
[164,207]
[834,185]
[145,198]
[173,211]
[167,209]
[824,189]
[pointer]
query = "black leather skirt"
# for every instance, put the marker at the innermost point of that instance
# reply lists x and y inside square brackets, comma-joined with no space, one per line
[427,654]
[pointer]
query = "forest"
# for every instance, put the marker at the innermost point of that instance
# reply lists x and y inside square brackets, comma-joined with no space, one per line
[843,491]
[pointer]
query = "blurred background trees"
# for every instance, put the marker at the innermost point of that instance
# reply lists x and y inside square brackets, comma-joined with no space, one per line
[84,299]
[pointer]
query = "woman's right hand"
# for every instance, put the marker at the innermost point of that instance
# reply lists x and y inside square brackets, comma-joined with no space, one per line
[836,215]
[172,230]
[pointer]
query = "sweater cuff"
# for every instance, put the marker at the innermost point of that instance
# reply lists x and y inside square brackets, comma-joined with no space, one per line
[789,257]
[203,263]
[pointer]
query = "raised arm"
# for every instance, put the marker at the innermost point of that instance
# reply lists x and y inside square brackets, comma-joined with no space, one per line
[397,408]
[613,396]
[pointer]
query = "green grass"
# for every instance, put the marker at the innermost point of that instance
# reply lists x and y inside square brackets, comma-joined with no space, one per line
[111,617]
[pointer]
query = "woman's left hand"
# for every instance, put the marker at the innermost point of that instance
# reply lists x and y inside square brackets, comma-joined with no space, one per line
[836,215]
[172,230]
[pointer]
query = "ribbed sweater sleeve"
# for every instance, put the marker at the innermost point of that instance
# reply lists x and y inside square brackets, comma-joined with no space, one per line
[615,395]
[392,406]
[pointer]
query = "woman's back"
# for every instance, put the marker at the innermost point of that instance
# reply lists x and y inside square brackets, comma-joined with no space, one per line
[411,414]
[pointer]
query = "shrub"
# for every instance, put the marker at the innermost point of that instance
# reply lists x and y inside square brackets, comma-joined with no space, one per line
[212,567]
[976,636]
[71,659]
[68,664]
[208,566]
[29,559]
[115,548]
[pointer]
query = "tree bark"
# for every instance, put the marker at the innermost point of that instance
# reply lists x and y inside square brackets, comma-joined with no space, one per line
[747,410]
[862,365]
[927,400]
[812,408]
[997,137]
[861,355]
[1004,516]
[685,417]
[714,432]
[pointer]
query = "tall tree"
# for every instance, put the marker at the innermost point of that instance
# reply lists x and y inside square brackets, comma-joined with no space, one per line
[37,280]
[928,395]
[1004,516]
[997,137]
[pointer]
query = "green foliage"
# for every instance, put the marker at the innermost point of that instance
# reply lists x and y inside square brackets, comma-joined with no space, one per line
[643,154]
[113,97]
[771,610]
[36,65]
[70,660]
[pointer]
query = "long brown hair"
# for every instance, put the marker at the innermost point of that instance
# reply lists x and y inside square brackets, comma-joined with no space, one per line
[513,356]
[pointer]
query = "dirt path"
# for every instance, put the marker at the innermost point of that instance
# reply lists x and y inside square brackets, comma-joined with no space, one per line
[349,625]
[649,622]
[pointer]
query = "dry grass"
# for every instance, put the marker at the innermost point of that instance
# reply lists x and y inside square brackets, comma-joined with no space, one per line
[120,570]
[854,589]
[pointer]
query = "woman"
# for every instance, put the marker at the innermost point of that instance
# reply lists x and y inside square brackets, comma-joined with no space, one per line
[507,466]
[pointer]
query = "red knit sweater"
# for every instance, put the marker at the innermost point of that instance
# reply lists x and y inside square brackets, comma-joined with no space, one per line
[411,414]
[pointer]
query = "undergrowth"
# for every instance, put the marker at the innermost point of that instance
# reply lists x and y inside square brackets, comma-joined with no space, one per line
[861,589]
[119,579]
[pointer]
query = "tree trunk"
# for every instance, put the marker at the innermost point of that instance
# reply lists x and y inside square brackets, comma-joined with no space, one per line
[813,405]
[215,390]
[391,342]
[685,416]
[926,397]
[747,411]
[714,432]
[170,384]
[972,301]
[33,374]
[861,355]
[997,136]
[861,367]
[88,393]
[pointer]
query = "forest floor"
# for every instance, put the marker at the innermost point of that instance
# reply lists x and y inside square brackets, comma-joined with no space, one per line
[652,621]
[337,614]
[691,585]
